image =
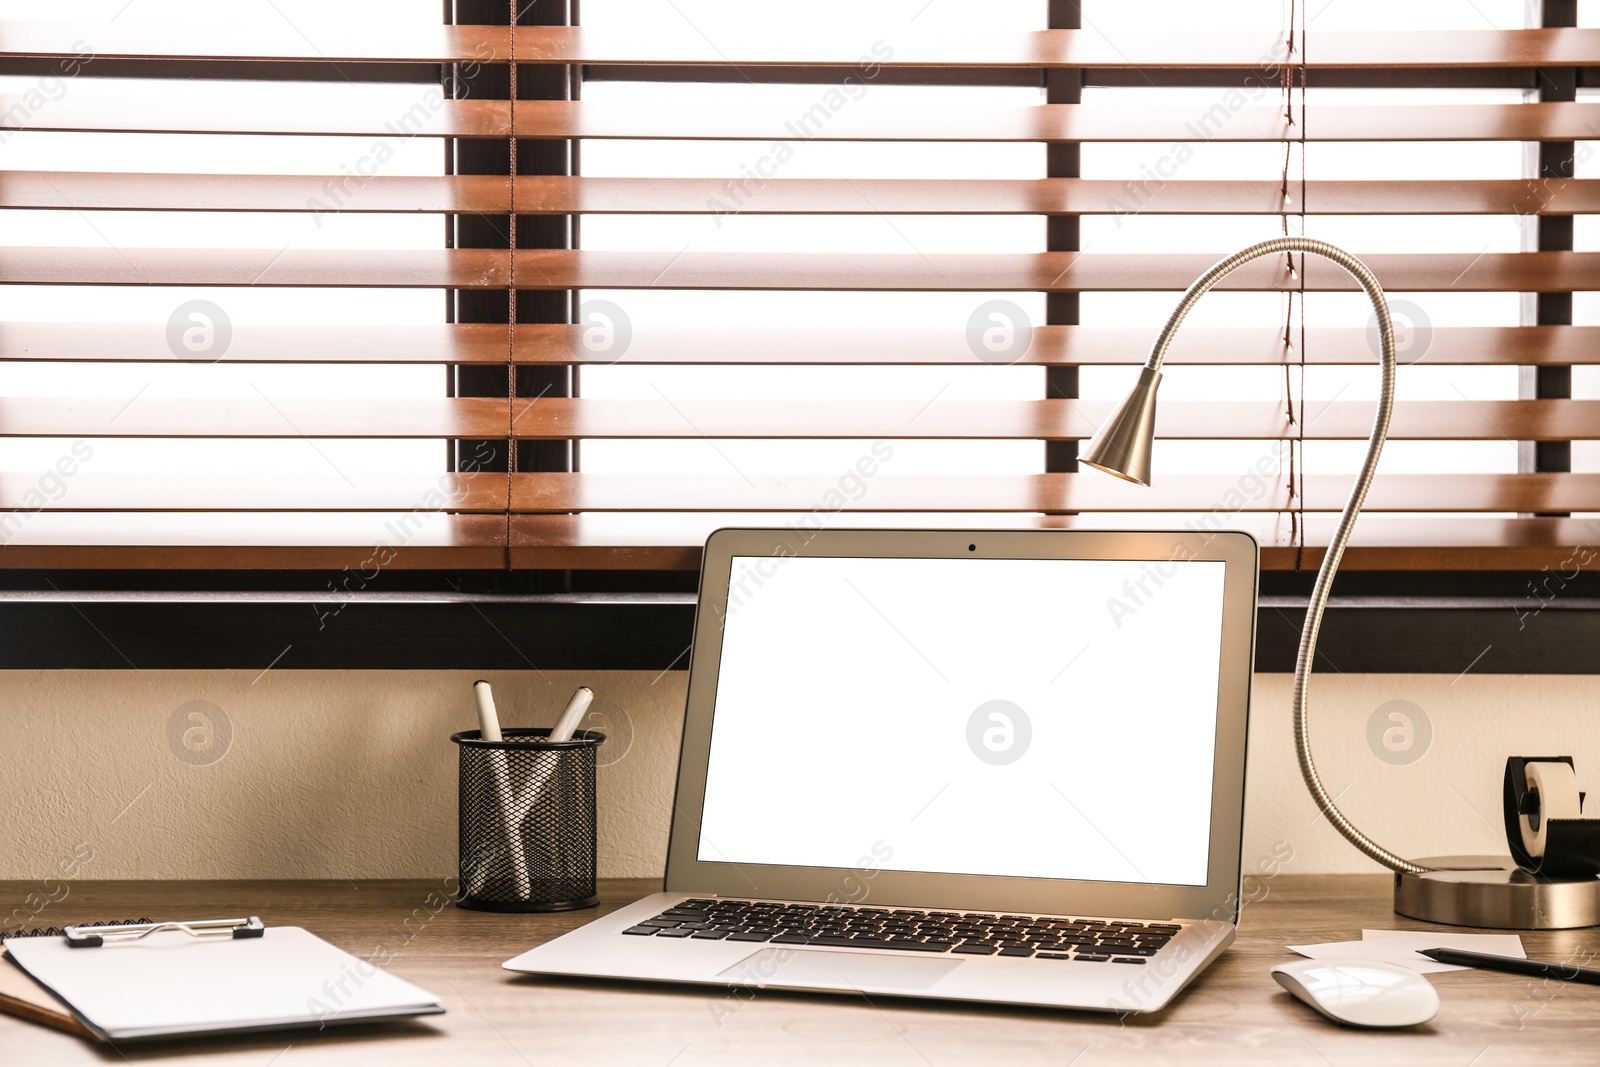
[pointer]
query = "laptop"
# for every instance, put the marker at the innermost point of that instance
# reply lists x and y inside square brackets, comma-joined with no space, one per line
[998,766]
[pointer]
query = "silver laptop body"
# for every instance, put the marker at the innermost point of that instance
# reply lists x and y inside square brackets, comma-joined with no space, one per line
[981,765]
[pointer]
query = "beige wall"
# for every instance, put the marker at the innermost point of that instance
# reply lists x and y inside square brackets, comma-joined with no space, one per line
[351,773]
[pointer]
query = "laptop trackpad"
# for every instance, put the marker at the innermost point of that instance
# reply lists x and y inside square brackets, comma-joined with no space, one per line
[821,969]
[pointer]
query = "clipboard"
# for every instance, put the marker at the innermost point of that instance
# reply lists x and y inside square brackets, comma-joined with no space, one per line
[21,996]
[24,998]
[144,980]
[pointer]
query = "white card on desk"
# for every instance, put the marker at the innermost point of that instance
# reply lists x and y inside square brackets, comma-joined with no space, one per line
[171,983]
[1402,947]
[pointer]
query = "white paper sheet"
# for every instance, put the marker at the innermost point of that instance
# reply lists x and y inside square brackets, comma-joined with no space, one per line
[1400,946]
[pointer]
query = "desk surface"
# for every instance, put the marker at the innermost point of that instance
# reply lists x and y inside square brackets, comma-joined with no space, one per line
[1233,1013]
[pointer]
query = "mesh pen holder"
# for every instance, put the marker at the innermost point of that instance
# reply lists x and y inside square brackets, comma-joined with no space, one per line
[527,821]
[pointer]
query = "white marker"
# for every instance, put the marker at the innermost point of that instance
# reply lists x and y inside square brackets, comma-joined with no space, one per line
[488,720]
[499,767]
[567,724]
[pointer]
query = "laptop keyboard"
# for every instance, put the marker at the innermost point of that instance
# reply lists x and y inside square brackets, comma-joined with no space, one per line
[910,930]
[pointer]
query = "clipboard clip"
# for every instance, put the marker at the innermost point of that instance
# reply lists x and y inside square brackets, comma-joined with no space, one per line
[85,936]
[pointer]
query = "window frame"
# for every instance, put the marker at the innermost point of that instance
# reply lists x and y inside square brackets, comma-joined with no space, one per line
[1416,622]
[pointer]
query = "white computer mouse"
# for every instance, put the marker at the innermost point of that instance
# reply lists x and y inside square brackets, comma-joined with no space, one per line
[1361,992]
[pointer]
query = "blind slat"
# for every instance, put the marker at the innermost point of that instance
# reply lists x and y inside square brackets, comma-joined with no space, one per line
[474,268]
[151,417]
[246,540]
[1051,420]
[559,195]
[429,115]
[675,542]
[1380,542]
[555,345]
[795,47]
[480,493]
[1249,492]
[558,418]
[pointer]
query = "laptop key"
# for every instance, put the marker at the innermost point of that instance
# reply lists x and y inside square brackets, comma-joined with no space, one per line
[1052,956]
[970,949]
[1017,951]
[640,931]
[679,933]
[1127,961]
[751,935]
[709,935]
[1091,959]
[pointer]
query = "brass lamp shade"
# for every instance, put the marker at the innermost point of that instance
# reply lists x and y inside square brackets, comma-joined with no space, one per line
[1122,447]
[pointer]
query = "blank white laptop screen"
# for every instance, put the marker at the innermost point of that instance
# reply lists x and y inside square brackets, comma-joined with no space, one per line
[1026,718]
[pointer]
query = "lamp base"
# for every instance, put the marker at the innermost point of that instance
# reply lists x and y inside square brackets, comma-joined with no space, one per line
[1493,892]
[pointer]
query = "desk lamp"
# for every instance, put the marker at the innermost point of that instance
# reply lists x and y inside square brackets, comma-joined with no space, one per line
[1460,890]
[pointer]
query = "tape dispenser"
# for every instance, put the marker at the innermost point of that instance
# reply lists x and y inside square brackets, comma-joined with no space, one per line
[1545,827]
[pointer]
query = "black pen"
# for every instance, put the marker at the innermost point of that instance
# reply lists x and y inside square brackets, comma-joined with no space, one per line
[1566,972]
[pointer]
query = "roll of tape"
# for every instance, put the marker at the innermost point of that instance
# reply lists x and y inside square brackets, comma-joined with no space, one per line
[1557,787]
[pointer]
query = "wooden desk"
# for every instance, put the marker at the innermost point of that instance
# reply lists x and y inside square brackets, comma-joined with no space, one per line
[1234,1013]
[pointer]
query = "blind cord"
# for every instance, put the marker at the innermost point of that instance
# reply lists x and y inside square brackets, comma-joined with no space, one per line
[1299,445]
[511,286]
[1296,419]
[1286,79]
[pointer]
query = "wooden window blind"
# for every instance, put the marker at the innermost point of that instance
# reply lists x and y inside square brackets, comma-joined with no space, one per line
[1154,151]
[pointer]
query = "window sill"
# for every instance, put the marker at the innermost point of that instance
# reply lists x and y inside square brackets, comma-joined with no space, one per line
[418,630]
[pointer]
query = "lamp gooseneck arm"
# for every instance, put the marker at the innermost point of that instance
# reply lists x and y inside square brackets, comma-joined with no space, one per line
[1358,493]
